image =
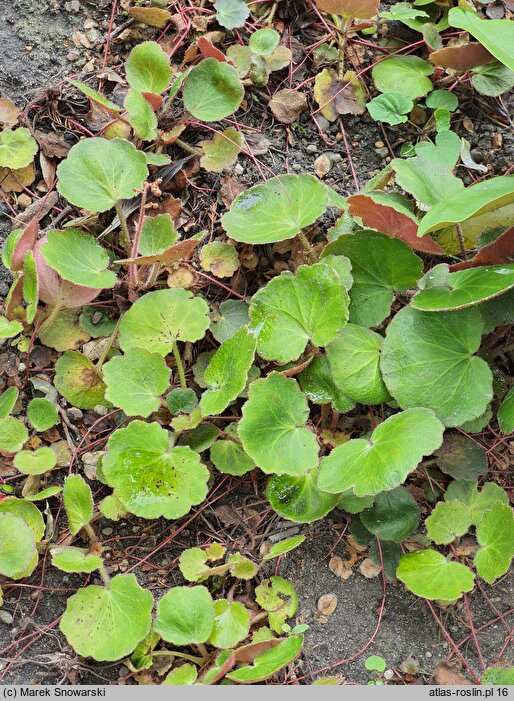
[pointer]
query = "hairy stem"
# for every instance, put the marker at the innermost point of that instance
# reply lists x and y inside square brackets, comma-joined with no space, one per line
[460,237]
[125,236]
[180,367]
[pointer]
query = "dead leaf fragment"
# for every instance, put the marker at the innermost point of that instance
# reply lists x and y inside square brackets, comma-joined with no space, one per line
[368,568]
[9,113]
[327,604]
[363,9]
[152,16]
[500,251]
[449,674]
[322,166]
[287,105]
[338,567]
[335,96]
[461,58]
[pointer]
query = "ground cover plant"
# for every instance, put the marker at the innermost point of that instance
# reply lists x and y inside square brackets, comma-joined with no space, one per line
[361,349]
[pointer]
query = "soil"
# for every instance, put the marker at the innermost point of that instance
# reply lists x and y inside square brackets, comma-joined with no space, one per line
[407,627]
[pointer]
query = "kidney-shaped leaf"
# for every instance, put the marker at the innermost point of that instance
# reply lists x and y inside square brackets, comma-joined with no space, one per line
[495,535]
[185,616]
[106,623]
[496,35]
[273,428]
[148,68]
[97,173]
[291,310]
[79,382]
[276,210]
[407,75]
[298,498]
[212,90]
[231,624]
[382,462]
[78,258]
[159,319]
[393,516]
[429,574]
[35,462]
[17,148]
[17,546]
[427,361]
[149,478]
[13,435]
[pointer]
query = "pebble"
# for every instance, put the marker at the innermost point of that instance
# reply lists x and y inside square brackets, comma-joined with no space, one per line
[6,618]
[323,123]
[74,414]
[428,654]
[100,410]
[382,152]
[106,531]
[238,169]
[24,201]
[379,144]
[72,6]
[22,367]
[297,166]
[475,153]
[73,55]
[311,148]
[388,674]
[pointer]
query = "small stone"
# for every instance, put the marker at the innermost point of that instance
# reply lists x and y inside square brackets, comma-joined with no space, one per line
[311,148]
[379,144]
[475,153]
[323,123]
[73,55]
[22,367]
[428,653]
[106,531]
[90,23]
[74,413]
[388,674]
[238,169]
[6,617]
[100,410]
[24,201]
[72,6]
[297,166]
[382,152]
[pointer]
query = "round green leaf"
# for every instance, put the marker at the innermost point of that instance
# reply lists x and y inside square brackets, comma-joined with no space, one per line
[429,574]
[465,288]
[231,14]
[228,457]
[379,265]
[227,372]
[354,361]
[299,499]
[71,559]
[17,148]
[276,210]
[106,623]
[8,329]
[98,173]
[147,68]
[157,235]
[427,361]
[159,319]
[393,516]
[148,477]
[135,381]
[181,401]
[273,430]
[219,258]
[7,401]
[231,316]
[407,75]
[499,676]
[449,520]
[460,457]
[35,463]
[495,535]
[185,675]
[13,435]
[391,108]
[78,381]
[185,616]
[42,414]
[375,663]
[277,596]
[78,502]
[382,462]
[17,546]
[477,503]
[27,512]
[318,383]
[193,564]
[264,41]
[212,90]
[231,624]
[492,79]
[291,310]
[78,258]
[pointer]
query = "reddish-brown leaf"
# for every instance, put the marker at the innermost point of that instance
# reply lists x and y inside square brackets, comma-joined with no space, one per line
[155,101]
[363,9]
[181,250]
[499,251]
[152,16]
[449,674]
[208,50]
[461,58]
[25,243]
[391,222]
[248,653]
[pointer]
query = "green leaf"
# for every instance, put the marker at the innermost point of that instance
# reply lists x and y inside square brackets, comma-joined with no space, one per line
[353,504]
[158,319]
[407,75]
[291,310]
[30,286]
[429,181]
[185,675]
[264,41]
[220,259]
[429,574]
[8,329]
[497,35]
[13,435]
[35,462]
[42,414]
[449,520]
[29,513]
[106,623]
[231,316]
[299,499]
[65,333]
[193,564]
[241,567]
[148,477]
[135,381]
[17,546]
[277,596]
[231,14]
[141,116]
[446,150]
[231,624]
[157,235]
[354,361]
[477,199]
[8,399]
[393,516]
[506,413]
[498,675]
[71,559]
[382,462]
[200,438]
[148,69]
[442,99]
[391,108]
[478,503]
[276,210]
[380,265]
[227,372]
[375,663]
[269,662]
[466,288]
[212,90]
[284,546]
[78,381]
[78,502]
[98,173]
[44,494]
[427,361]
[17,148]
[185,616]
[318,383]
[495,535]
[228,457]
[78,258]
[95,96]
[492,79]
[97,322]
[222,150]
[460,457]
[181,401]
[273,430]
